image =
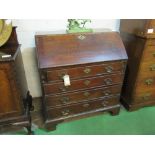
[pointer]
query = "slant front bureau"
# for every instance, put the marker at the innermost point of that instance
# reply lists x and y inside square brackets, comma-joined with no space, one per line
[93,62]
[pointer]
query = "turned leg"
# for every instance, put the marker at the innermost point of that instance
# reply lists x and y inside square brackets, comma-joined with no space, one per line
[115,111]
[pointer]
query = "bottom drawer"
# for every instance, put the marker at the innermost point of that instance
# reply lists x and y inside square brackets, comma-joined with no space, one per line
[82,107]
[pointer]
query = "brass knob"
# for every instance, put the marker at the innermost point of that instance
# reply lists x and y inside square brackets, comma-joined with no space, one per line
[64,99]
[149,81]
[86,94]
[109,69]
[107,92]
[146,96]
[152,67]
[87,70]
[86,105]
[65,112]
[87,82]
[108,81]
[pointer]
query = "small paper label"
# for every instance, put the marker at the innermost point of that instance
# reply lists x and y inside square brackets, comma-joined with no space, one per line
[66,80]
[6,56]
[149,30]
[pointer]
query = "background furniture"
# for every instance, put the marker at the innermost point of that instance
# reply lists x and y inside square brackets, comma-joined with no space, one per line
[13,88]
[139,86]
[95,64]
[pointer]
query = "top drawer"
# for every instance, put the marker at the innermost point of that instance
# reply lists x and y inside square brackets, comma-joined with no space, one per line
[84,71]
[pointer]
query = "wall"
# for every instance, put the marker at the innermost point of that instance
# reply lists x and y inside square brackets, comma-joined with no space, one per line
[26,30]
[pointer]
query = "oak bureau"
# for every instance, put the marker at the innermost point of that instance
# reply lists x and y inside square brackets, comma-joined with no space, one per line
[81,74]
[138,36]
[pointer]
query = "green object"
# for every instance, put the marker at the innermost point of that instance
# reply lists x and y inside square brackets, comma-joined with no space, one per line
[78,25]
[141,122]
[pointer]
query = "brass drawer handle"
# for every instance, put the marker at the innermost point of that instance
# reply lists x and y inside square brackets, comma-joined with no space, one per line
[87,70]
[149,81]
[65,112]
[81,37]
[152,67]
[86,94]
[108,81]
[86,105]
[109,69]
[107,92]
[146,96]
[63,89]
[104,103]
[87,82]
[65,99]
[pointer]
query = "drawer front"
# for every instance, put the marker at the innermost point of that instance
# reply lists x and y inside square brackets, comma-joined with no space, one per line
[83,84]
[69,98]
[147,69]
[146,96]
[149,54]
[79,72]
[144,84]
[82,107]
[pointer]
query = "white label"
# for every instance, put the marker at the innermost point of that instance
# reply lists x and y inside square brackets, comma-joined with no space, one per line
[149,30]
[6,56]
[66,80]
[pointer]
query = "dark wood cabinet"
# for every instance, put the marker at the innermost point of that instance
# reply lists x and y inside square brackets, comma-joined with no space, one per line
[13,87]
[95,63]
[138,36]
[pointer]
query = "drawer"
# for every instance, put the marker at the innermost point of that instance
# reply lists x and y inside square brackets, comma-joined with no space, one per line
[82,107]
[146,96]
[149,54]
[52,88]
[79,72]
[147,69]
[144,84]
[69,98]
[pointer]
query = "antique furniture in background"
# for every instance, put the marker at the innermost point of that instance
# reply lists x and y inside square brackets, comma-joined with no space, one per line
[81,74]
[138,36]
[14,96]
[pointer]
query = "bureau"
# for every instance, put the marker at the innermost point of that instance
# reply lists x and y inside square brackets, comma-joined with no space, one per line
[95,64]
[139,40]
[14,95]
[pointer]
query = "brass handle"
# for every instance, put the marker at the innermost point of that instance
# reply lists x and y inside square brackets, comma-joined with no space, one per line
[65,112]
[87,70]
[86,105]
[63,89]
[152,67]
[107,92]
[104,103]
[81,37]
[146,96]
[109,69]
[87,82]
[108,81]
[149,81]
[86,94]
[64,99]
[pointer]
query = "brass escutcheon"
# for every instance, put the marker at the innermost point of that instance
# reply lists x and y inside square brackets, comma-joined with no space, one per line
[109,69]
[65,112]
[108,81]
[81,37]
[107,92]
